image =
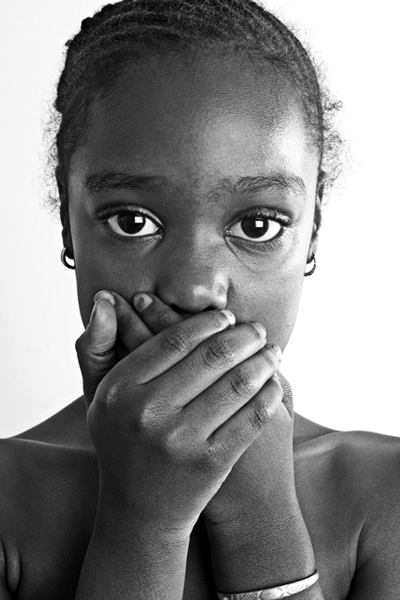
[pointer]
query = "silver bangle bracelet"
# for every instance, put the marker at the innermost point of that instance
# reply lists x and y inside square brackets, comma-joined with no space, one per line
[281,591]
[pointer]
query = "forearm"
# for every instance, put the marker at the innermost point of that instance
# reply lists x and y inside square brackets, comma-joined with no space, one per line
[127,559]
[263,548]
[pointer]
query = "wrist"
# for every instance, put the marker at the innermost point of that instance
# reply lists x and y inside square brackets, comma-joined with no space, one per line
[127,517]
[270,526]
[300,588]
[253,553]
[277,508]
[129,556]
[256,487]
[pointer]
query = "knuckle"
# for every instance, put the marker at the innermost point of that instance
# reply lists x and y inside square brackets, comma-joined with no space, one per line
[110,394]
[115,392]
[125,323]
[212,457]
[275,386]
[152,415]
[278,395]
[259,415]
[162,320]
[219,353]
[147,420]
[173,441]
[242,383]
[104,405]
[270,359]
[255,332]
[176,341]
[80,344]
[217,319]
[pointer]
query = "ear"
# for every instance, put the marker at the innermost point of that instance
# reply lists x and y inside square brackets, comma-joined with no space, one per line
[64,212]
[314,243]
[67,241]
[317,214]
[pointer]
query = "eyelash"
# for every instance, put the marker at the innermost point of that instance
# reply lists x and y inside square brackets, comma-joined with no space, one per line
[272,214]
[107,213]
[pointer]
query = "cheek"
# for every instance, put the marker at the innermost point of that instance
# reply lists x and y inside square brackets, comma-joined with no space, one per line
[265,288]
[99,269]
[95,275]
[273,300]
[271,293]
[283,309]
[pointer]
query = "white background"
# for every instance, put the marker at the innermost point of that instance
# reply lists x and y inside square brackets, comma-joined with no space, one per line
[343,359]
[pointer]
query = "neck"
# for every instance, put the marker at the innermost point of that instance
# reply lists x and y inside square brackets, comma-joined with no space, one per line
[304,429]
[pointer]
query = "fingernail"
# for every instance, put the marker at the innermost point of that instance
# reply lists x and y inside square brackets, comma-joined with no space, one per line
[275,348]
[104,295]
[260,329]
[230,316]
[142,301]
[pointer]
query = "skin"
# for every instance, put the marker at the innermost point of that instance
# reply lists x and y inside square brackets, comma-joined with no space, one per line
[211,134]
[311,491]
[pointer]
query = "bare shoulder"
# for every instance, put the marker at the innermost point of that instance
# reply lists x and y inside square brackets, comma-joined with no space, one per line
[348,486]
[370,461]
[370,464]
[51,454]
[40,481]
[48,460]
[53,450]
[364,464]
[48,492]
[357,473]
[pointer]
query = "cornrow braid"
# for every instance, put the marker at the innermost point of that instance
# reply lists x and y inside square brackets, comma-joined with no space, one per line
[130,29]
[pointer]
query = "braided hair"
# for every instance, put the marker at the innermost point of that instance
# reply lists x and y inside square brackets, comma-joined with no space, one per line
[131,29]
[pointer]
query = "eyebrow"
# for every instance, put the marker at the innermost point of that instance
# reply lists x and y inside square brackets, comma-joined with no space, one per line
[108,180]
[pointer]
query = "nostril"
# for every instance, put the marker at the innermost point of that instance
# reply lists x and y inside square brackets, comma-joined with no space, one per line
[178,310]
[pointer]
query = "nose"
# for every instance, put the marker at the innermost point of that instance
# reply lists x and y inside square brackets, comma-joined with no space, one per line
[193,278]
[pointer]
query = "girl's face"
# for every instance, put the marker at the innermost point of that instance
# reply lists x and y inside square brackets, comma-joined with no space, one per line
[196,182]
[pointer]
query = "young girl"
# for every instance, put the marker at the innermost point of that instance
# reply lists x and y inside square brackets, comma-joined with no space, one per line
[191,168]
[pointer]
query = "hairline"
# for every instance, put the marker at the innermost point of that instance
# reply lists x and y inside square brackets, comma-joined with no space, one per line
[222,47]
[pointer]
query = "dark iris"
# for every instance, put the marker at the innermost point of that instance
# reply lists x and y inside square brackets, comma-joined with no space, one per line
[131,222]
[255,227]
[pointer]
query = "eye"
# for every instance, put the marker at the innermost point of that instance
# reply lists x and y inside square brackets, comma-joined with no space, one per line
[256,228]
[130,223]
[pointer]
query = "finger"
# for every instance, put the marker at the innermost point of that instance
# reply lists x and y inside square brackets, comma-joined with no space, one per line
[210,361]
[164,350]
[132,331]
[96,346]
[157,315]
[240,431]
[287,394]
[230,393]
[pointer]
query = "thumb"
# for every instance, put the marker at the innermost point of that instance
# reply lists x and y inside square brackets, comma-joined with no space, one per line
[96,346]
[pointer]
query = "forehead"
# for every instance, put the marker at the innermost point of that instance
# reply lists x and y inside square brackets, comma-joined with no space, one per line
[198,116]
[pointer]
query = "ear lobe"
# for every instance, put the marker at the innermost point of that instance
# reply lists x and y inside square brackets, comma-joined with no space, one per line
[67,241]
[317,215]
[318,202]
[315,232]
[321,184]
[64,214]
[313,247]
